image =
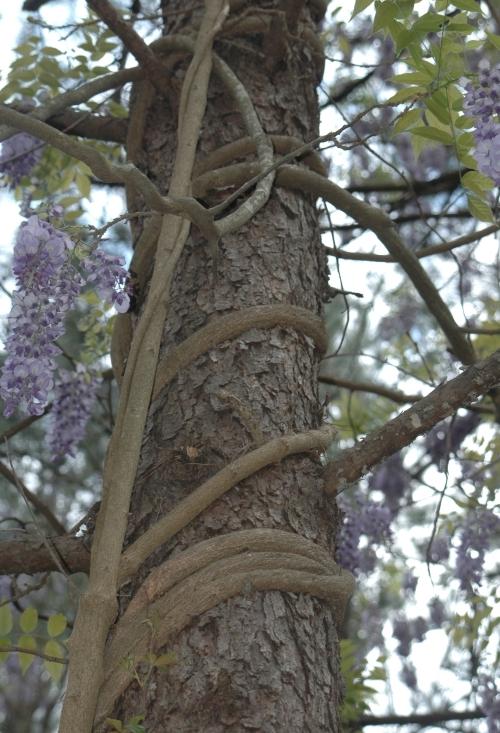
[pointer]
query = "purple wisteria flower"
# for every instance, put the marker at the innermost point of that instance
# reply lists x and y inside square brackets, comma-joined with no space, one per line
[362,518]
[46,287]
[74,397]
[392,479]
[482,102]
[440,549]
[447,436]
[108,277]
[409,676]
[475,537]
[437,613]
[19,155]
[408,631]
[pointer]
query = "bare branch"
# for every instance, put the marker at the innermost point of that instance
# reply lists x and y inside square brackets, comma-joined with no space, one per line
[27,554]
[424,252]
[34,500]
[422,719]
[381,225]
[396,396]
[148,60]
[352,463]
[34,652]
[96,127]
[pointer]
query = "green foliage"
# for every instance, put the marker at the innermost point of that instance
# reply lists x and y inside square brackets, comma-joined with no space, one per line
[431,82]
[357,677]
[25,632]
[40,73]
[96,326]
[132,725]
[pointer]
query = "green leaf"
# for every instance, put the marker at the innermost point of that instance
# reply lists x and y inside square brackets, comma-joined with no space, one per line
[26,660]
[411,77]
[429,22]
[4,655]
[494,39]
[7,91]
[83,184]
[480,209]
[134,725]
[359,6]
[407,119]
[51,51]
[433,133]
[469,5]
[465,142]
[136,728]
[406,94]
[115,724]
[23,74]
[28,620]
[6,621]
[136,719]
[384,14]
[55,669]
[462,122]
[438,105]
[56,624]
[477,182]
[459,24]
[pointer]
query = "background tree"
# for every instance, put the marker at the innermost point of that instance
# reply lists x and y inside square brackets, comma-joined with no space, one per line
[211,559]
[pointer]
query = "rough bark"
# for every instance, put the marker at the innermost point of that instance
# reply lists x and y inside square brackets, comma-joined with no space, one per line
[264,661]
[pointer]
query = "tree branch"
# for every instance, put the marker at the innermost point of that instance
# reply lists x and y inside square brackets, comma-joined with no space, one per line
[400,397]
[381,225]
[132,41]
[80,94]
[352,463]
[185,206]
[34,652]
[420,253]
[95,127]
[446,182]
[423,719]
[33,499]
[26,553]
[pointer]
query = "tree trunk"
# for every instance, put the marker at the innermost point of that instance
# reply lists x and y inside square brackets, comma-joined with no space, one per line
[264,661]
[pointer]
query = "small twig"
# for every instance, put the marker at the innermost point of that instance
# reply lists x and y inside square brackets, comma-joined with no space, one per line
[30,498]
[420,253]
[16,592]
[34,652]
[391,394]
[23,424]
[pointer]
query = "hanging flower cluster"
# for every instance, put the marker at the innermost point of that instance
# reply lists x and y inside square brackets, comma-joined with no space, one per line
[19,155]
[74,397]
[478,530]
[47,285]
[362,518]
[482,102]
